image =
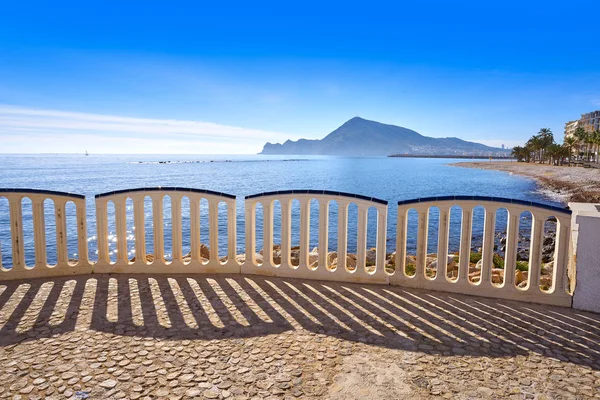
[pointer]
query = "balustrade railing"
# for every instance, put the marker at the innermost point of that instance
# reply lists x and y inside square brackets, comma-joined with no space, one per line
[460,282]
[157,262]
[321,267]
[435,262]
[64,264]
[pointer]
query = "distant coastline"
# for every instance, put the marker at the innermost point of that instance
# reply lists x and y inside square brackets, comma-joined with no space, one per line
[464,157]
[571,184]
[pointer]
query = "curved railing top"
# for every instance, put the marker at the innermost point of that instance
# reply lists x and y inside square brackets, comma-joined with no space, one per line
[318,192]
[41,192]
[166,189]
[485,198]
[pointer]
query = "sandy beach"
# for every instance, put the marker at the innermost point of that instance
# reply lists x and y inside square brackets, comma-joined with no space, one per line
[574,184]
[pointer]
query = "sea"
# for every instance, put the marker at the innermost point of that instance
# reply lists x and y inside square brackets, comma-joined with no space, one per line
[390,179]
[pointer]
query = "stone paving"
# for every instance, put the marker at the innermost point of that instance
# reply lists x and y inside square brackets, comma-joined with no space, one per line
[242,337]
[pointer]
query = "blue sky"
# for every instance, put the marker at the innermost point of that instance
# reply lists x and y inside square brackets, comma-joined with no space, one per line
[194,77]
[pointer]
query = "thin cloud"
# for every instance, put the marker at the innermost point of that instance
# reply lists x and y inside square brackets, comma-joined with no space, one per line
[22,128]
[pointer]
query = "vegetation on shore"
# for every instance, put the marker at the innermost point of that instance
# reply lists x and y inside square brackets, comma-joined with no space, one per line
[582,146]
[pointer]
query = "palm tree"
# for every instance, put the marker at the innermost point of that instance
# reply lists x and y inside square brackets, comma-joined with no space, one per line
[569,142]
[545,138]
[595,139]
[582,137]
[520,153]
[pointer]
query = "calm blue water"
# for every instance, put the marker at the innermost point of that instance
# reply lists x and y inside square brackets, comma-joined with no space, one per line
[390,179]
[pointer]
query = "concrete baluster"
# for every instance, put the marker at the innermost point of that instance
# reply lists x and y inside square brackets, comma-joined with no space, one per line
[268,233]
[361,243]
[442,250]
[381,238]
[286,233]
[231,232]
[250,222]
[512,244]
[195,228]
[102,231]
[464,256]
[487,253]
[323,233]
[62,252]
[140,229]
[342,234]
[422,231]
[39,232]
[158,227]
[401,228]
[82,238]
[304,231]
[121,224]
[176,240]
[213,222]
[535,254]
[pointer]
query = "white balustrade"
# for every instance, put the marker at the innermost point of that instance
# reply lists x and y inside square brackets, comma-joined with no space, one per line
[143,262]
[64,265]
[318,268]
[309,265]
[556,295]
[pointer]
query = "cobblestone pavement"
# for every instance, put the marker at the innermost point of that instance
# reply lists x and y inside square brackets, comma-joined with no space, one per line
[217,337]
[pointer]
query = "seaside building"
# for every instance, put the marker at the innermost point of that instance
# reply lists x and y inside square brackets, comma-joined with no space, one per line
[570,128]
[589,121]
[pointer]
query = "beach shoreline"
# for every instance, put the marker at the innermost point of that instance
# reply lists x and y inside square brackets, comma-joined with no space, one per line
[569,184]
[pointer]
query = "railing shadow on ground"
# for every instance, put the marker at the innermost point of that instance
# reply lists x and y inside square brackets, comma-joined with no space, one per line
[192,307]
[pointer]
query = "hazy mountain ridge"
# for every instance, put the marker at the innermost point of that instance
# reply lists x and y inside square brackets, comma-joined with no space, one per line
[359,136]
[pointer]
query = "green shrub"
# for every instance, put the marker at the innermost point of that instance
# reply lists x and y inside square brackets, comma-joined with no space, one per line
[475,257]
[498,261]
[522,266]
[370,263]
[411,269]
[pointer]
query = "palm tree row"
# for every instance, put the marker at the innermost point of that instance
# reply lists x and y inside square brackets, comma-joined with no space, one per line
[542,147]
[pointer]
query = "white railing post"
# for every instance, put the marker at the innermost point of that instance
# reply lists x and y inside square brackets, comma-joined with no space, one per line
[268,233]
[561,255]
[342,234]
[62,252]
[82,233]
[487,252]
[381,238]
[535,253]
[195,228]
[158,228]
[39,232]
[442,250]
[140,229]
[464,255]
[176,227]
[401,227]
[231,232]
[213,222]
[361,242]
[323,233]
[304,232]
[102,229]
[121,225]
[250,221]
[422,231]
[286,233]
[512,243]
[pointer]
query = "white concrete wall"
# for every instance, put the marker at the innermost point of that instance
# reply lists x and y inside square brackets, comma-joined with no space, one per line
[586,257]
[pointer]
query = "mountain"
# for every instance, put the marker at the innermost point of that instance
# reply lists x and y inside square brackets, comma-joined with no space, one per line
[360,136]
